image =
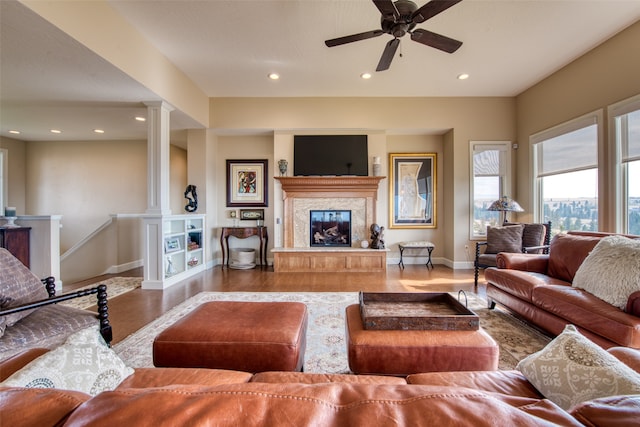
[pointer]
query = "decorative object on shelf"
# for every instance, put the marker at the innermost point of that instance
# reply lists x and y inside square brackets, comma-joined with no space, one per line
[364,244]
[247,183]
[193,261]
[171,244]
[192,196]
[252,214]
[503,205]
[282,166]
[377,236]
[412,188]
[171,270]
[376,166]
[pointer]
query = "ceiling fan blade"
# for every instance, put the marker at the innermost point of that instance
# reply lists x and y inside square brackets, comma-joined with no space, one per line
[431,9]
[388,54]
[353,38]
[435,40]
[387,8]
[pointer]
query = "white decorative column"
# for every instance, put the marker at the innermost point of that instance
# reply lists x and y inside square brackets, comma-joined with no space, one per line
[158,133]
[158,173]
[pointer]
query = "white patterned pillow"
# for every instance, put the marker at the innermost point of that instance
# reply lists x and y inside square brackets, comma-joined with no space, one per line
[611,271]
[572,369]
[83,363]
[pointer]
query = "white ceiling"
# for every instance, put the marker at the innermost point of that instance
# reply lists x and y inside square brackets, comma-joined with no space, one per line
[48,80]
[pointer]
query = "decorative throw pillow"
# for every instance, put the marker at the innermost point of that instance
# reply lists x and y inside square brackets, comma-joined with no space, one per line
[572,369]
[611,271]
[18,285]
[504,239]
[83,363]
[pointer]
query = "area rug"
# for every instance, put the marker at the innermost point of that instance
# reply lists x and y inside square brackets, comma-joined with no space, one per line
[115,286]
[326,347]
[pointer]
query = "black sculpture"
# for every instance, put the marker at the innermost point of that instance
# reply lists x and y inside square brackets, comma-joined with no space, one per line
[377,236]
[191,195]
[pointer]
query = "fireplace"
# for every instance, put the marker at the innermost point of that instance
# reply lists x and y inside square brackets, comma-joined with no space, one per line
[330,228]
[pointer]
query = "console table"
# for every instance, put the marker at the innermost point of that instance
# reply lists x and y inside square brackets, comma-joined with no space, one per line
[16,241]
[243,233]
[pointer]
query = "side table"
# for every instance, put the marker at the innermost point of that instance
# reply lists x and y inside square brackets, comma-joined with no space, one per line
[243,233]
[416,245]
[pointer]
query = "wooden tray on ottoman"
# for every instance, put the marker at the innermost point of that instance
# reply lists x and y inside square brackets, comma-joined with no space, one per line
[415,311]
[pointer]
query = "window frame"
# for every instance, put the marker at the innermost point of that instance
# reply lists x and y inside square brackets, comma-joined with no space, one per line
[504,180]
[586,120]
[619,178]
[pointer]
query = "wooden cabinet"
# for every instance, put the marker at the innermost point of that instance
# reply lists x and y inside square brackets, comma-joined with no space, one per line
[16,241]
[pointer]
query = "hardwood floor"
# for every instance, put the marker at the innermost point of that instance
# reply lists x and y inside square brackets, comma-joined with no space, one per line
[132,310]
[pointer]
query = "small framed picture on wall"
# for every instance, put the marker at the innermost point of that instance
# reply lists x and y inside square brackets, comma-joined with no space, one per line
[247,183]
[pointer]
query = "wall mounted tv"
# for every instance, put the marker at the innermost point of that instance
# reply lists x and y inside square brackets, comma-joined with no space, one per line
[330,155]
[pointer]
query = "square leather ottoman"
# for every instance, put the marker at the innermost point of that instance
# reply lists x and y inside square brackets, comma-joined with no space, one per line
[398,352]
[243,336]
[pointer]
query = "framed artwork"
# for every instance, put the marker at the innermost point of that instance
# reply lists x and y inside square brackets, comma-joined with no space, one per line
[171,244]
[252,214]
[247,183]
[412,192]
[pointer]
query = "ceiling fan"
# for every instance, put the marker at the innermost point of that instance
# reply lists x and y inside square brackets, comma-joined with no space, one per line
[400,17]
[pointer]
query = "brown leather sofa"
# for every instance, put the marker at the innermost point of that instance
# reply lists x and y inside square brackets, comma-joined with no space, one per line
[194,396]
[537,287]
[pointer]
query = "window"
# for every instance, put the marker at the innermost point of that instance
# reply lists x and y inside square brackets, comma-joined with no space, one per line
[626,116]
[490,167]
[566,175]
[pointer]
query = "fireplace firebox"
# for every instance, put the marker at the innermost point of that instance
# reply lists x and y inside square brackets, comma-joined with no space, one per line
[330,228]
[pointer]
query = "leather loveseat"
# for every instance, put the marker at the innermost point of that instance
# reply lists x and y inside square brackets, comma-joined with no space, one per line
[538,288]
[197,397]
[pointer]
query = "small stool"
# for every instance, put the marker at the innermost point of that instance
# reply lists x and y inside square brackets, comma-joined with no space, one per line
[416,245]
[405,352]
[243,336]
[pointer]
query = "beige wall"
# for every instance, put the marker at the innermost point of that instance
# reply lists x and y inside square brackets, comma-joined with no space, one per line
[85,182]
[404,123]
[607,74]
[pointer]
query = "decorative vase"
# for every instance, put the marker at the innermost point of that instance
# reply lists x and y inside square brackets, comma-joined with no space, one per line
[282,165]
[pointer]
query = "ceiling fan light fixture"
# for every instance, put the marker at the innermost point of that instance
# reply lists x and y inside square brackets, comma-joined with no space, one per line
[274,76]
[463,76]
[365,76]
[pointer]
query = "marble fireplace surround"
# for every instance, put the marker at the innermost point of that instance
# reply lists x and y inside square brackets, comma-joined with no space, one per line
[302,194]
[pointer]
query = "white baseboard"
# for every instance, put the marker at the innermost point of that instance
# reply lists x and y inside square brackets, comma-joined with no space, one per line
[115,269]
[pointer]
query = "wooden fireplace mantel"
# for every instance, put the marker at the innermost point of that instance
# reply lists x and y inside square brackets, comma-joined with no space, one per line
[347,186]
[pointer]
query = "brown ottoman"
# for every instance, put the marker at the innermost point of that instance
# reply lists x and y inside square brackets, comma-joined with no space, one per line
[410,352]
[243,336]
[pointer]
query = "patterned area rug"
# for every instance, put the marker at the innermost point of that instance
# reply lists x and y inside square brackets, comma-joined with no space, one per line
[326,348]
[115,286]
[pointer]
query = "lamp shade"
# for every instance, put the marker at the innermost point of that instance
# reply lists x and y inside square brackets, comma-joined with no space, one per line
[505,204]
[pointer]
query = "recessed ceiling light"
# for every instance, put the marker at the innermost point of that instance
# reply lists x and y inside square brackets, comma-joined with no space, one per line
[98,131]
[141,119]
[56,131]
[463,76]
[365,76]
[274,76]
[15,132]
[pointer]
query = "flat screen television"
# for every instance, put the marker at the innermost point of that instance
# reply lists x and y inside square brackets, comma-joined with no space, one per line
[330,155]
